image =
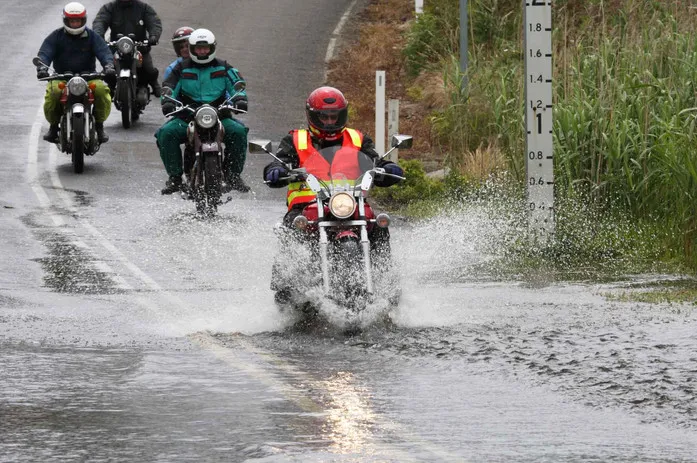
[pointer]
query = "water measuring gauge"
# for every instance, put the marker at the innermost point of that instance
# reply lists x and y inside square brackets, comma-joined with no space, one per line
[538,120]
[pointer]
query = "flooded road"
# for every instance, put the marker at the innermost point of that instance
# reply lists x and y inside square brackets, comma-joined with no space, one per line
[472,392]
[131,330]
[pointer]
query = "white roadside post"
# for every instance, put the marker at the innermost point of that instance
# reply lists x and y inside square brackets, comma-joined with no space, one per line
[393,125]
[380,112]
[419,6]
[538,120]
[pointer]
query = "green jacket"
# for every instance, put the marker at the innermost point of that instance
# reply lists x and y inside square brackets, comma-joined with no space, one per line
[210,83]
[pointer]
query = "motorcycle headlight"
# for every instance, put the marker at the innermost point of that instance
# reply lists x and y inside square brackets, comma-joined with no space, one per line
[342,205]
[206,117]
[77,86]
[124,45]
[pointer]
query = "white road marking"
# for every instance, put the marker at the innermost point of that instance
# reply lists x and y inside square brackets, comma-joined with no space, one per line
[331,48]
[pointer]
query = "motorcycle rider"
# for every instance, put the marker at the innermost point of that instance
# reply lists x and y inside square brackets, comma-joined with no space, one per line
[74,48]
[180,43]
[327,137]
[327,113]
[133,17]
[202,79]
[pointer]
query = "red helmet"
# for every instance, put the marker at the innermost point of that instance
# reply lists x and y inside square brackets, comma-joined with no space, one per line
[74,10]
[180,36]
[327,113]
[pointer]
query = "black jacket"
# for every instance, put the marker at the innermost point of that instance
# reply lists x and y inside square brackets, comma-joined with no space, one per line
[287,153]
[134,17]
[74,53]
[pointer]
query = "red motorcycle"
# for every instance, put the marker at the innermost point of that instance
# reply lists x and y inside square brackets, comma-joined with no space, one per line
[338,243]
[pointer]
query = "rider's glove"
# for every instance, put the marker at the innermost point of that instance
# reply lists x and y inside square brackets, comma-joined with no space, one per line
[41,72]
[275,173]
[240,104]
[394,169]
[153,41]
[109,71]
[168,107]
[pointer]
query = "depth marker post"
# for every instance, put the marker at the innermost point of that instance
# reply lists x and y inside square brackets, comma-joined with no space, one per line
[538,120]
[380,112]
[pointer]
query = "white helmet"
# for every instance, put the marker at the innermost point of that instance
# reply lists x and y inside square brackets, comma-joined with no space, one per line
[202,37]
[74,10]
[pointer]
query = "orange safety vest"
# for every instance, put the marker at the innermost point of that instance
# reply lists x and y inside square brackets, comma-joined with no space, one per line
[345,161]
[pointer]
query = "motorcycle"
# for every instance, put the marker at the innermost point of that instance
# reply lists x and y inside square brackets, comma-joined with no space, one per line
[347,251]
[130,96]
[203,151]
[78,136]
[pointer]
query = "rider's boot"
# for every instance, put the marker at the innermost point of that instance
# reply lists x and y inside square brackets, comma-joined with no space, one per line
[101,136]
[52,134]
[156,88]
[172,185]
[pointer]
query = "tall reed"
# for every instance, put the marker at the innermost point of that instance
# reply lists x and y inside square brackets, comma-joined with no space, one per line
[624,123]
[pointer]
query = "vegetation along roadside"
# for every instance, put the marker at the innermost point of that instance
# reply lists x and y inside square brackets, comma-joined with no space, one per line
[624,125]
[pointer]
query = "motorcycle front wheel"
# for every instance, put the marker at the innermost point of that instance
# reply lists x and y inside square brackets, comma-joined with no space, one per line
[208,193]
[347,277]
[126,101]
[78,143]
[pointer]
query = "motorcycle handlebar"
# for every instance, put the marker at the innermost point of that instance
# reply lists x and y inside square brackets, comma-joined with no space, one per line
[180,109]
[144,43]
[69,75]
[292,177]
[192,110]
[231,108]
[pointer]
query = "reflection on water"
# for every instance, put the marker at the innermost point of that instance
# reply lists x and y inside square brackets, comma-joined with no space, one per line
[350,421]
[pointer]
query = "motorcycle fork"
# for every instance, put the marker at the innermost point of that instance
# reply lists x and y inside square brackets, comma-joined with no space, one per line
[365,244]
[196,170]
[221,151]
[83,119]
[323,247]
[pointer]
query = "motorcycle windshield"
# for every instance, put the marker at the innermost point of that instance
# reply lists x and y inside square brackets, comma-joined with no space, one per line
[338,168]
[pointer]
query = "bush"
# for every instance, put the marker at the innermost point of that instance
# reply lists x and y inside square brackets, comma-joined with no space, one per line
[416,187]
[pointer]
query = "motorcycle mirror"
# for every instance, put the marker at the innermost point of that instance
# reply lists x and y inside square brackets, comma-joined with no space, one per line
[37,62]
[367,181]
[313,183]
[239,85]
[402,141]
[166,91]
[260,146]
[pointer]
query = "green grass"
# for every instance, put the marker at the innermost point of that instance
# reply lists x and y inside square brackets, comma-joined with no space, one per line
[682,291]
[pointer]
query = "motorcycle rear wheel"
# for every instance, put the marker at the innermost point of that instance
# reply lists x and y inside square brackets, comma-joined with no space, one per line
[78,144]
